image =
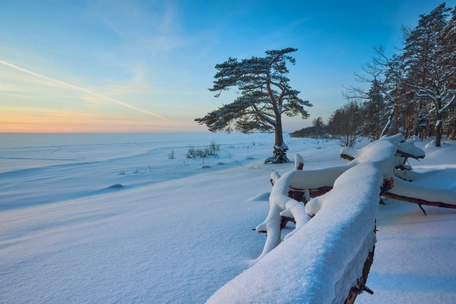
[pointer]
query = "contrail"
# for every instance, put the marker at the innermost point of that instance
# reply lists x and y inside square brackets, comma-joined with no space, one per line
[82,90]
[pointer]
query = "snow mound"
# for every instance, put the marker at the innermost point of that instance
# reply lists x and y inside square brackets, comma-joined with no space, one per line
[431,144]
[260,197]
[415,138]
[115,186]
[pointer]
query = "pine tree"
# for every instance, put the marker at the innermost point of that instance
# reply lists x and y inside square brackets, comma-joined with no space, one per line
[429,73]
[265,94]
[398,97]
[374,112]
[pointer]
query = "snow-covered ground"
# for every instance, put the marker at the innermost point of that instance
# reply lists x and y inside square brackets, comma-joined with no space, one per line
[103,218]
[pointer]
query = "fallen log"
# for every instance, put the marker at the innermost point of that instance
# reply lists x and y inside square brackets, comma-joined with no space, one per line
[417,200]
[298,194]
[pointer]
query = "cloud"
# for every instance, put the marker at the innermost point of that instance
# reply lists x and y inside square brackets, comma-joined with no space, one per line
[143,29]
[68,85]
[137,85]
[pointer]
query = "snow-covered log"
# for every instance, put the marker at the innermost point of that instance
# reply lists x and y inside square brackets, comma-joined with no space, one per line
[322,260]
[403,189]
[409,192]
[409,149]
[381,153]
[280,202]
[405,150]
[326,258]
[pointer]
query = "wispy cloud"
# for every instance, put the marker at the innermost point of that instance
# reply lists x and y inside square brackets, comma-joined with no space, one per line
[145,31]
[136,85]
[71,86]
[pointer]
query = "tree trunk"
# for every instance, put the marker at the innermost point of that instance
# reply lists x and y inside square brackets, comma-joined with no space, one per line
[280,148]
[438,131]
[438,122]
[438,134]
[278,133]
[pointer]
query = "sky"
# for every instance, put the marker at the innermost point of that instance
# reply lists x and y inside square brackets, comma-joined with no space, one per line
[146,66]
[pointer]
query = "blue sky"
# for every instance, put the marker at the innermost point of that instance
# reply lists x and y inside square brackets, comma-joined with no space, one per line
[146,66]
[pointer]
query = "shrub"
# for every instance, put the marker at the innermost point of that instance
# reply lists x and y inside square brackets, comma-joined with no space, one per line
[211,150]
[172,155]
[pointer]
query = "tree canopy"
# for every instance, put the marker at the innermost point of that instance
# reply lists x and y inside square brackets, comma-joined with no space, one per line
[413,91]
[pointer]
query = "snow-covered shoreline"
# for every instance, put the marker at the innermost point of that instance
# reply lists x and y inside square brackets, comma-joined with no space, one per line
[175,232]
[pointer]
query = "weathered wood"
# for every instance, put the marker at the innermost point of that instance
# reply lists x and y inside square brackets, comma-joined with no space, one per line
[368,290]
[417,200]
[319,191]
[284,220]
[299,194]
[387,185]
[361,282]
[347,157]
[422,209]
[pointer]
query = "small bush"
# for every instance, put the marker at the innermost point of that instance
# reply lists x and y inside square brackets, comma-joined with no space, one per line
[192,152]
[172,155]
[214,148]
[348,140]
[211,150]
[202,153]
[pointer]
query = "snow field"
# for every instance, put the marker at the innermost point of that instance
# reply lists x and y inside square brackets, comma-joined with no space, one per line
[177,233]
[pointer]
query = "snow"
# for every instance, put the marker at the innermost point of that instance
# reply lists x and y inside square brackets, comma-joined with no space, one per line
[303,269]
[110,218]
[350,207]
[432,144]
[409,148]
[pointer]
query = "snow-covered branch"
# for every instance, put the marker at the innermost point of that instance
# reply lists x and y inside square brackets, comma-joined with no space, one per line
[410,190]
[447,104]
[264,115]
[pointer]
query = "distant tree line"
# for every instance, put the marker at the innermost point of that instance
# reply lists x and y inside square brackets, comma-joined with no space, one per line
[411,92]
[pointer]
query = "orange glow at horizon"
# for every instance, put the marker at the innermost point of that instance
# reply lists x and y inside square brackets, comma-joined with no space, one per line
[60,121]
